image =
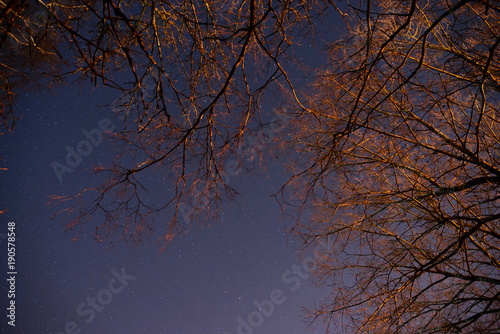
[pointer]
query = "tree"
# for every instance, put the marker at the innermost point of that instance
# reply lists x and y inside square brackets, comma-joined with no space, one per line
[395,147]
[191,75]
[398,159]
[27,54]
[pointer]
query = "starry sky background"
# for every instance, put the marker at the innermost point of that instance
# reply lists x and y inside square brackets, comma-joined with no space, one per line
[201,283]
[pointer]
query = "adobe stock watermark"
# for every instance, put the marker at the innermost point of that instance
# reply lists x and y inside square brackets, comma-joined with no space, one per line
[74,157]
[94,137]
[248,152]
[292,278]
[87,309]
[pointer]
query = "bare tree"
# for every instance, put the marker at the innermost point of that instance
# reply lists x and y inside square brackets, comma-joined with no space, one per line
[397,147]
[191,75]
[399,162]
[27,54]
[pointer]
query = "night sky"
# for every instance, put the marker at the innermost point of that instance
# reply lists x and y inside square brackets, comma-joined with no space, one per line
[206,281]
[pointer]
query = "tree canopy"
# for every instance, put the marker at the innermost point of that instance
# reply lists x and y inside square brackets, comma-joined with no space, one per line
[191,76]
[399,161]
[393,148]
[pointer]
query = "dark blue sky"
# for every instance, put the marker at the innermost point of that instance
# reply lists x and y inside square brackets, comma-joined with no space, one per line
[204,282]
